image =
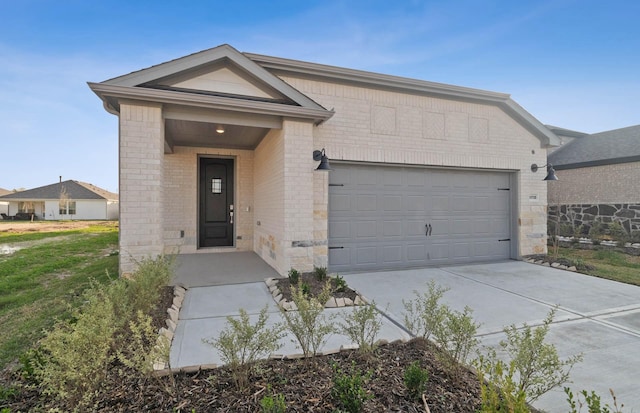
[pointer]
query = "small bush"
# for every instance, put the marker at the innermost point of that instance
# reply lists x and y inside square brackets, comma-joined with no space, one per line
[424,313]
[456,337]
[320,273]
[498,389]
[362,325]
[592,401]
[348,389]
[536,363]
[76,355]
[273,404]
[241,344]
[143,347]
[294,276]
[341,284]
[618,233]
[415,379]
[309,325]
[305,289]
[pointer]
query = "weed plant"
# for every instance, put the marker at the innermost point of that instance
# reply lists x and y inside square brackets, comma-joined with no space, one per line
[273,404]
[592,401]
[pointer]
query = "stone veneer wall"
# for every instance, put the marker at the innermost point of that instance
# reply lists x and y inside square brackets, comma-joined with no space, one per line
[628,215]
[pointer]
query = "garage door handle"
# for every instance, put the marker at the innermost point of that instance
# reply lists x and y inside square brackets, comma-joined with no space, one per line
[428,230]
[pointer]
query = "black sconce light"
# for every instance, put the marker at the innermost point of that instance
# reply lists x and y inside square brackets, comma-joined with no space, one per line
[551,173]
[324,161]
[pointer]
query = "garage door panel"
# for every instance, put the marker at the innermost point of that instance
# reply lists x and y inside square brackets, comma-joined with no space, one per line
[392,203]
[366,255]
[377,218]
[366,229]
[392,255]
[366,202]
[392,229]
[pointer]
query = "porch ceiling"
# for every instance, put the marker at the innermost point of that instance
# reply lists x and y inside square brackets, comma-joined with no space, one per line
[203,134]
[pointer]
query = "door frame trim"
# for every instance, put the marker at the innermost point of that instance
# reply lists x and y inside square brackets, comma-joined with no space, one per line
[200,157]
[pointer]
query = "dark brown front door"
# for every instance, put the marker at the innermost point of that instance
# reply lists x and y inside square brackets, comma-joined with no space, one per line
[216,202]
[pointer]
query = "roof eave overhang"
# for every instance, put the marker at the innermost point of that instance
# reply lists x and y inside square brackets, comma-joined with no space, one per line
[111,95]
[407,85]
[599,162]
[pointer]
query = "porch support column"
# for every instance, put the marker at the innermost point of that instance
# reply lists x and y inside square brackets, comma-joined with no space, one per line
[141,186]
[298,240]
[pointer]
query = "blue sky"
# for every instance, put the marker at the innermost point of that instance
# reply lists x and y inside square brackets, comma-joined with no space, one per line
[570,63]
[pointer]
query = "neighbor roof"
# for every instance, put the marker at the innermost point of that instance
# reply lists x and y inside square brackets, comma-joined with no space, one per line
[4,191]
[75,190]
[604,148]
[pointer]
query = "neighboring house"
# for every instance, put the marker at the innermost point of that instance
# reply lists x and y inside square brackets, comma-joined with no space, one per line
[4,206]
[64,200]
[599,179]
[216,155]
[564,135]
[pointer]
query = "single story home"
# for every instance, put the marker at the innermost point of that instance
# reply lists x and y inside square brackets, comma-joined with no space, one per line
[219,152]
[64,200]
[599,180]
[4,205]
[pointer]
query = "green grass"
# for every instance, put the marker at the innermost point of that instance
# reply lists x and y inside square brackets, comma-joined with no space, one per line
[609,264]
[39,283]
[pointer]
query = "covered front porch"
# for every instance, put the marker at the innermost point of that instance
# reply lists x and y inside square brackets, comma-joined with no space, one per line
[216,156]
[224,268]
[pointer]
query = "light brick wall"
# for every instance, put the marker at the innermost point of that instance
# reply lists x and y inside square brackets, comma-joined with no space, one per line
[383,126]
[269,200]
[181,194]
[141,182]
[606,184]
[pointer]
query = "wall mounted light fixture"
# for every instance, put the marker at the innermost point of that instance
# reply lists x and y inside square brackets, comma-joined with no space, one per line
[220,129]
[324,161]
[551,173]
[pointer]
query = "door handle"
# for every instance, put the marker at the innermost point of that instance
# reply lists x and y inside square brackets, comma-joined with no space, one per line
[430,229]
[427,230]
[231,214]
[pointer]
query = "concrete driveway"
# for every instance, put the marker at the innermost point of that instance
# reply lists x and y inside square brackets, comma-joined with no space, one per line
[595,317]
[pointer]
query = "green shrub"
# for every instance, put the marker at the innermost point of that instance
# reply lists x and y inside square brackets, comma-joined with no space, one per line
[145,285]
[424,313]
[348,388]
[73,357]
[341,284]
[456,337]
[273,404]
[294,276]
[305,289]
[76,355]
[309,325]
[618,233]
[415,379]
[144,346]
[498,389]
[535,362]
[320,273]
[592,401]
[241,344]
[362,325]
[597,230]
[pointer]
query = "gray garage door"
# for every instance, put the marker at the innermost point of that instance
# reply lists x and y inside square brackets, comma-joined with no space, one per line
[388,217]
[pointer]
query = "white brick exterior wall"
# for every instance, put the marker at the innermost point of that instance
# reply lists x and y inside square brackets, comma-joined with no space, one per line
[141,182]
[281,203]
[382,126]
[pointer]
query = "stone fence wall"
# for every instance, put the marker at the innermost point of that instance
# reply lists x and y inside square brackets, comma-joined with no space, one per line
[585,215]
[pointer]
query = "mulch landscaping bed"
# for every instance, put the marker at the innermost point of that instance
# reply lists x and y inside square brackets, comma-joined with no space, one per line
[305,384]
[315,286]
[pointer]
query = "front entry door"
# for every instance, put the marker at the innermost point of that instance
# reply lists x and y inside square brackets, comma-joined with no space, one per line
[216,202]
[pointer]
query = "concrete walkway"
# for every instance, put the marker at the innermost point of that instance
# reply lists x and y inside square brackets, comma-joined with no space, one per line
[598,318]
